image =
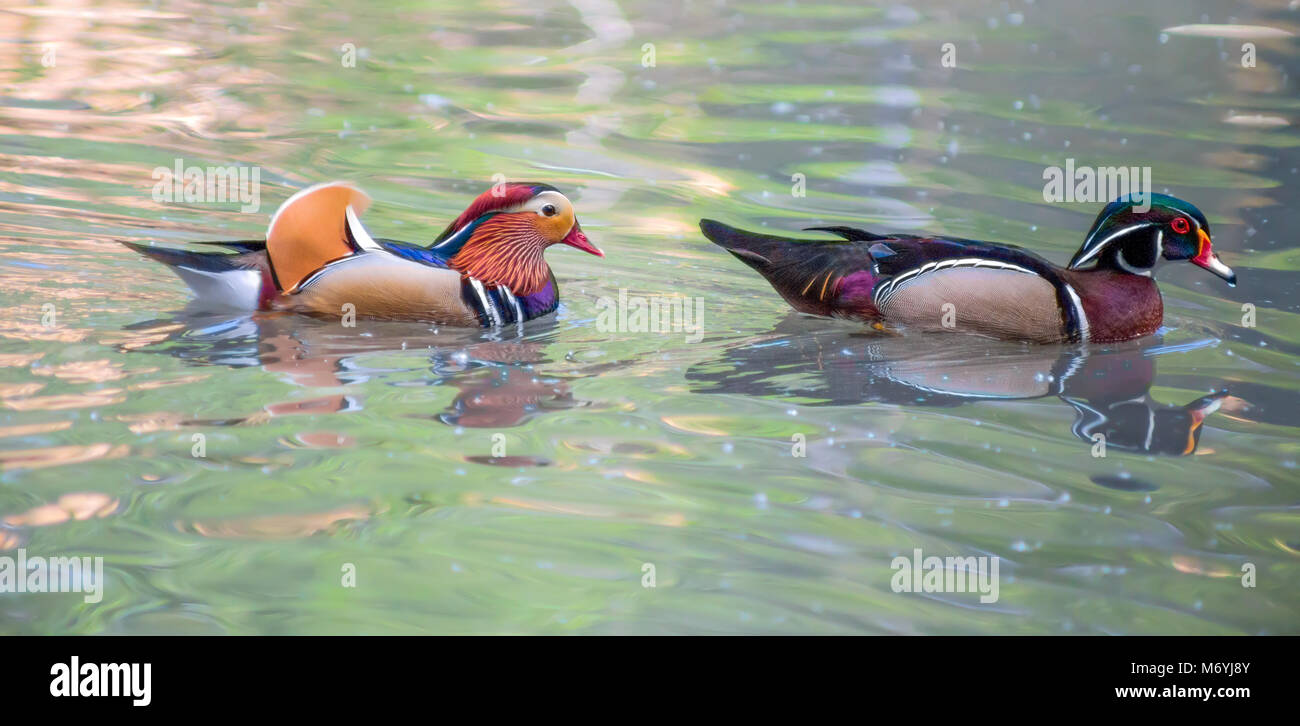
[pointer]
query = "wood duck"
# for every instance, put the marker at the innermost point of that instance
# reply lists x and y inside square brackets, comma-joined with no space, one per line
[486,269]
[1106,294]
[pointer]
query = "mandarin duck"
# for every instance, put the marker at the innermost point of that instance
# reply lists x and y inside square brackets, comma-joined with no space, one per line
[486,269]
[1105,294]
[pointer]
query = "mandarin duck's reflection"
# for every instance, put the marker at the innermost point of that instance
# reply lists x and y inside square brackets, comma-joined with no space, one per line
[497,381]
[498,384]
[1108,389]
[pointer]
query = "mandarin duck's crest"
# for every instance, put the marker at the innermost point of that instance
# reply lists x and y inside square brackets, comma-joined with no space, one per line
[934,283]
[500,238]
[485,269]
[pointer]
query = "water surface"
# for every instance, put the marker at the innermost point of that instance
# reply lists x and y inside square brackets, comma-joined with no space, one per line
[520,481]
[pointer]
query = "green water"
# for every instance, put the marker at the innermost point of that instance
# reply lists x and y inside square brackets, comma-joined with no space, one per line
[768,470]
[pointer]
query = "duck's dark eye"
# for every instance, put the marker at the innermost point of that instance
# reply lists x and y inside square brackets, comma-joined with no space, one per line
[1180,225]
[550,210]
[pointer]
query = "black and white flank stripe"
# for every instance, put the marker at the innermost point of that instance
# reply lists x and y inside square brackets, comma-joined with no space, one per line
[495,305]
[886,289]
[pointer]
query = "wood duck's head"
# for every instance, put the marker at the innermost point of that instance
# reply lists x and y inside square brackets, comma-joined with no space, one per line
[1136,231]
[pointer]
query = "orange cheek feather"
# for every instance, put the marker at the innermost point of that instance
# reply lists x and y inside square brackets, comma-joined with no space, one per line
[553,229]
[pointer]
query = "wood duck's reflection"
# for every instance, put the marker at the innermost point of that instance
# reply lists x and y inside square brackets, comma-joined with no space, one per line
[497,381]
[1108,389]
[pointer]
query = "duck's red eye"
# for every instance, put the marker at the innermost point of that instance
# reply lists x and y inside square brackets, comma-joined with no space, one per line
[1180,225]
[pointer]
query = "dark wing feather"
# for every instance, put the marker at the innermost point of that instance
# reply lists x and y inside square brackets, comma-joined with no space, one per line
[177,257]
[805,272]
[242,246]
[425,255]
[809,273]
[897,254]
[851,234]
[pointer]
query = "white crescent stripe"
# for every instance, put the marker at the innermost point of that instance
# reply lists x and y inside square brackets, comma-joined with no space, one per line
[514,302]
[359,233]
[1078,311]
[487,304]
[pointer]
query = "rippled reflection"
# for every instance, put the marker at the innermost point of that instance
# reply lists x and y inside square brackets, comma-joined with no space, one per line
[832,364]
[499,383]
[226,466]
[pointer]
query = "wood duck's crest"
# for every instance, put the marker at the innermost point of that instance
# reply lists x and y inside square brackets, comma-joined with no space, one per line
[1135,232]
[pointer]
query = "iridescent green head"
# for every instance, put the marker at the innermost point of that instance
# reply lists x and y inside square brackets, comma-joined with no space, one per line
[1136,231]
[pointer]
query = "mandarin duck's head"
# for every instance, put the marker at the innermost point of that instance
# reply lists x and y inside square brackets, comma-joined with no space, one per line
[500,238]
[1135,232]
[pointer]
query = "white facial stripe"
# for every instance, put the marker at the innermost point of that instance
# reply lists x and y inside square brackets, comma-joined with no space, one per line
[1102,244]
[561,202]
[535,204]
